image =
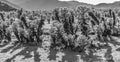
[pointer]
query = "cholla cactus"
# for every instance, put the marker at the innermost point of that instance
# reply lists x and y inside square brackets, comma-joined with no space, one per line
[94,17]
[56,14]
[70,28]
[114,18]
[2,16]
[20,12]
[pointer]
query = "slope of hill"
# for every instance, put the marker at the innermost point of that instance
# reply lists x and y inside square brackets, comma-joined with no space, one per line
[11,4]
[5,7]
[46,4]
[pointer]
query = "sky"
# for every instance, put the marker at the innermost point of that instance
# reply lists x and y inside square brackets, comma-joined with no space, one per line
[93,1]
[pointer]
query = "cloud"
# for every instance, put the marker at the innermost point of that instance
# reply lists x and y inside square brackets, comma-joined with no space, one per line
[93,1]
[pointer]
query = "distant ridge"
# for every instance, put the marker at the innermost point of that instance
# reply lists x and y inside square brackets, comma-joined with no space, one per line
[51,4]
[47,4]
[109,5]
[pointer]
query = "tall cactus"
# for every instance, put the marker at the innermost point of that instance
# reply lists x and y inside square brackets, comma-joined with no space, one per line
[39,31]
[94,17]
[110,12]
[20,13]
[114,18]
[24,21]
[56,14]
[2,16]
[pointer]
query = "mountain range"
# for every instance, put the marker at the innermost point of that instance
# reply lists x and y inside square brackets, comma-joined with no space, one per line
[50,4]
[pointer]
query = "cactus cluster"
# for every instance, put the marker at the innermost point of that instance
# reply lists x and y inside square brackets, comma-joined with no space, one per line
[76,29]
